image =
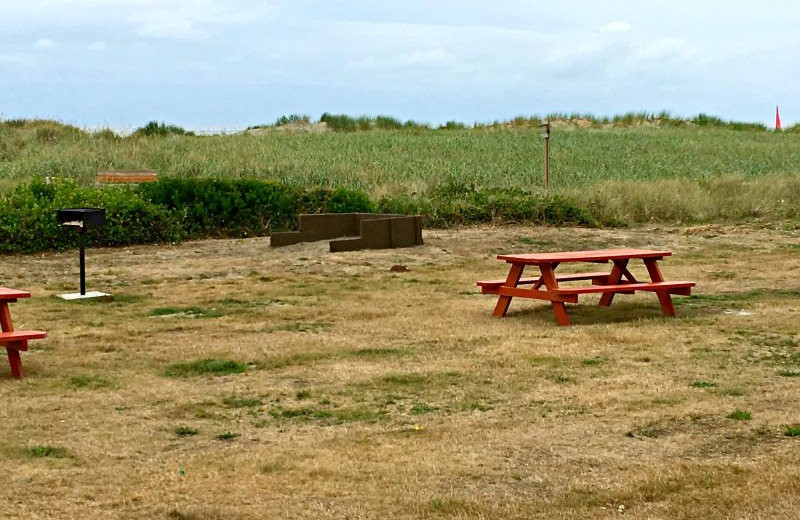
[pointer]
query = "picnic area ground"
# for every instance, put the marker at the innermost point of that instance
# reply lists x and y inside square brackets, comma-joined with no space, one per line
[357,392]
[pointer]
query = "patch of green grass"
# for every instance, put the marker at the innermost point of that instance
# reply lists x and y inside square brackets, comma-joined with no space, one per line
[421,408]
[792,431]
[301,327]
[186,431]
[272,467]
[699,383]
[304,413]
[290,360]
[412,379]
[302,394]
[242,402]
[208,366]
[48,451]
[722,275]
[593,361]
[651,430]
[376,352]
[416,379]
[227,436]
[358,415]
[732,391]
[252,304]
[563,379]
[184,312]
[546,361]
[740,415]
[89,382]
[450,506]
[668,400]
[789,373]
[333,416]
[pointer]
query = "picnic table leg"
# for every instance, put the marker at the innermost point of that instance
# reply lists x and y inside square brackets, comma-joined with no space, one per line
[14,359]
[550,281]
[620,267]
[538,284]
[512,280]
[663,296]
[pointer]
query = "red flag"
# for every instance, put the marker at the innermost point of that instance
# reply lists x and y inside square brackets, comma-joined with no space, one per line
[777,118]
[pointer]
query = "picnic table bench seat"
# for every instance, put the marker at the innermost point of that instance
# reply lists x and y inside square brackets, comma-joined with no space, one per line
[598,277]
[21,335]
[677,287]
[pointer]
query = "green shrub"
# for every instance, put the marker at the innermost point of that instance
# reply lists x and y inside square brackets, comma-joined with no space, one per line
[239,208]
[343,200]
[156,129]
[453,204]
[28,217]
[387,123]
[339,122]
[293,118]
[210,207]
[106,134]
[456,125]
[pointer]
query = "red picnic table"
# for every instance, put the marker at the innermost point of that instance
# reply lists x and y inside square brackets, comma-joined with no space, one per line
[14,340]
[618,281]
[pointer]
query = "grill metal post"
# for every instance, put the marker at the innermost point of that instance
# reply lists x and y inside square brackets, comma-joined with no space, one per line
[82,259]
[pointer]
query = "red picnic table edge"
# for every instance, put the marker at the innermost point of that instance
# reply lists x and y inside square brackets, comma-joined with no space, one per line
[12,294]
[595,255]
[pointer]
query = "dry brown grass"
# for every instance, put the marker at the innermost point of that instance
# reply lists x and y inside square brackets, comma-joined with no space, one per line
[372,394]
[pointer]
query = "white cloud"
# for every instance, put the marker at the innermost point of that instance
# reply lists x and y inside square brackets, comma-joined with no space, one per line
[616,27]
[175,29]
[44,43]
[10,58]
[664,49]
[405,62]
[97,46]
[190,20]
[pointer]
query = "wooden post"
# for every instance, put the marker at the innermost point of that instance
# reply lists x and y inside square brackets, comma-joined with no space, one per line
[546,136]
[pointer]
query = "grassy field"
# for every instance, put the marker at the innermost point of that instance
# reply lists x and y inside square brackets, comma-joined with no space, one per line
[409,161]
[230,380]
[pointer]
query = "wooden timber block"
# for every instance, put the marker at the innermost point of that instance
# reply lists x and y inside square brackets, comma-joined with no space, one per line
[355,231]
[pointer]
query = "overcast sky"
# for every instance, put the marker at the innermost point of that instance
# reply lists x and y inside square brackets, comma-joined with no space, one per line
[235,63]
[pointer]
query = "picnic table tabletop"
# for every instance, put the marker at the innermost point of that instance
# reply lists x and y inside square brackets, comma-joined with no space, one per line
[12,294]
[595,255]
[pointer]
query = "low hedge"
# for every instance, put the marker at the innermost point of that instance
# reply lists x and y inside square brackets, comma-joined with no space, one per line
[28,217]
[175,209]
[454,204]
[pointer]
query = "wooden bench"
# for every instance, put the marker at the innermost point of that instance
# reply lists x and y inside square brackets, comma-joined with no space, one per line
[126,176]
[669,287]
[596,278]
[14,341]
